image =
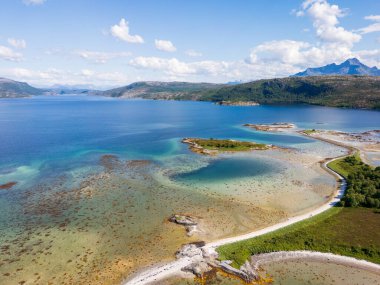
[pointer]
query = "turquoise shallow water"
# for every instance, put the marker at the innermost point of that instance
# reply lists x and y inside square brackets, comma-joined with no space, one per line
[76,214]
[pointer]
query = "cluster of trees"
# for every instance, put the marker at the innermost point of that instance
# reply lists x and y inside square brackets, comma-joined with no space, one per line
[363,184]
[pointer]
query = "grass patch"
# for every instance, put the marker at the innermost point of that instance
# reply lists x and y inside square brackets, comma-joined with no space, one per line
[346,231]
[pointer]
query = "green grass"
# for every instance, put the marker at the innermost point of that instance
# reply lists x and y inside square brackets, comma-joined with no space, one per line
[346,231]
[228,145]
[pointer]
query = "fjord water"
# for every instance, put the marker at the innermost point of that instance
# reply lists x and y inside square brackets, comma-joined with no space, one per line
[97,179]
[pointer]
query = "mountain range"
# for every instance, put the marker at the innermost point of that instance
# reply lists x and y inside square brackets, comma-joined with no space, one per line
[351,66]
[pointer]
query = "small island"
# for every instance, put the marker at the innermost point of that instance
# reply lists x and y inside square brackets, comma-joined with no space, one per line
[275,127]
[214,146]
[237,103]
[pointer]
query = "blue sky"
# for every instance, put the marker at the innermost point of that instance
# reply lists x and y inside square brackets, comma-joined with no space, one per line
[116,42]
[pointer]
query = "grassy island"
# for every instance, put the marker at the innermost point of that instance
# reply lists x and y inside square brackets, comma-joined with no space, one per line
[213,146]
[350,230]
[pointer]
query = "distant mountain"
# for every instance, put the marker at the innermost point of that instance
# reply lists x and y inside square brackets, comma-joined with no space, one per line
[351,66]
[159,90]
[15,89]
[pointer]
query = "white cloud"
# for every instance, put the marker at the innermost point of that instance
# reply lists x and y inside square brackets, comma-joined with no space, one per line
[326,19]
[165,45]
[7,53]
[121,31]
[101,57]
[193,53]
[34,2]
[17,43]
[375,27]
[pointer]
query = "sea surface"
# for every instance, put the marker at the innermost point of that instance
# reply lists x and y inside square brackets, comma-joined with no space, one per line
[97,178]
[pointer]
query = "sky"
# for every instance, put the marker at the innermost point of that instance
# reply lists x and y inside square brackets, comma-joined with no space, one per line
[103,44]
